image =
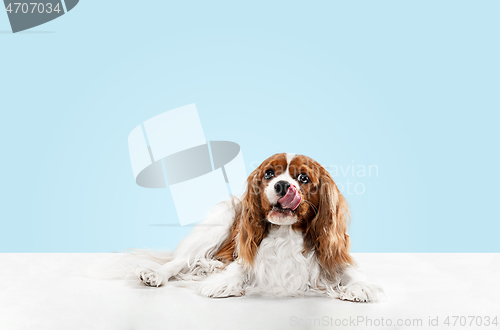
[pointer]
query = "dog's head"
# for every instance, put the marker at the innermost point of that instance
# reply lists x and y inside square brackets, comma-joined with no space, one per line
[289,189]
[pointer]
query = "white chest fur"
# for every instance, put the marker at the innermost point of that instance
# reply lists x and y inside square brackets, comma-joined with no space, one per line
[280,267]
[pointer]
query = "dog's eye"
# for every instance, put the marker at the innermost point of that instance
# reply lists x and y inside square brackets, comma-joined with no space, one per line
[269,174]
[303,178]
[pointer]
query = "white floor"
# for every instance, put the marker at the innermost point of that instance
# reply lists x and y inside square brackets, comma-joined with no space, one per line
[54,291]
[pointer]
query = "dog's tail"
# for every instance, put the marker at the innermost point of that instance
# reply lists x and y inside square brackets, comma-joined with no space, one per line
[123,265]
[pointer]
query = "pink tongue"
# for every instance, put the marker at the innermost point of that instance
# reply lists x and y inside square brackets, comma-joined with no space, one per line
[291,200]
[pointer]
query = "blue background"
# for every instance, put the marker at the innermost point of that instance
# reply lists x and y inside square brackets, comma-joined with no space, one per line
[409,86]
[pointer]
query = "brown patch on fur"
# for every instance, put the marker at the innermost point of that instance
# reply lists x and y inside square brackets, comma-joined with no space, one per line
[327,232]
[227,252]
[253,225]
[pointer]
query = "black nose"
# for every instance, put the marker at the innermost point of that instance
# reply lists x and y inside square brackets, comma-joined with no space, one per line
[281,188]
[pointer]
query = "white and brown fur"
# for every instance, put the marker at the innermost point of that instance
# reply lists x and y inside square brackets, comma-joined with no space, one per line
[246,247]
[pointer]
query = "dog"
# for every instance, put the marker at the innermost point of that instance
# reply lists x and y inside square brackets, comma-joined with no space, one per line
[286,236]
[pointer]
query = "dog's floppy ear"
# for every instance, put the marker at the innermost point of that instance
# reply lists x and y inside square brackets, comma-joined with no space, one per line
[328,230]
[252,224]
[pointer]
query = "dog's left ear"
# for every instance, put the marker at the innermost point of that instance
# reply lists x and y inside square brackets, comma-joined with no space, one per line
[328,230]
[252,224]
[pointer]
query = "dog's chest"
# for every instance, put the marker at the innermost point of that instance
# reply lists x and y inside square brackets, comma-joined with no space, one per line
[281,267]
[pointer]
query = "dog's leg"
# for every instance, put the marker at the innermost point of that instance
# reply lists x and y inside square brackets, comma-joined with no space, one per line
[157,277]
[200,245]
[352,287]
[227,283]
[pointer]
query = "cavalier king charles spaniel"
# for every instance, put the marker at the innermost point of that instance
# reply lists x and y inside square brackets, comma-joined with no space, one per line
[287,236]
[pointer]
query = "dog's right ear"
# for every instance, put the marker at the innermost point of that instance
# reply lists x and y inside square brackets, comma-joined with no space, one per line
[328,230]
[252,224]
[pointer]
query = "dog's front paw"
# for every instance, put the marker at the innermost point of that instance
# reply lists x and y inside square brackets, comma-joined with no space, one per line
[361,292]
[149,277]
[216,287]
